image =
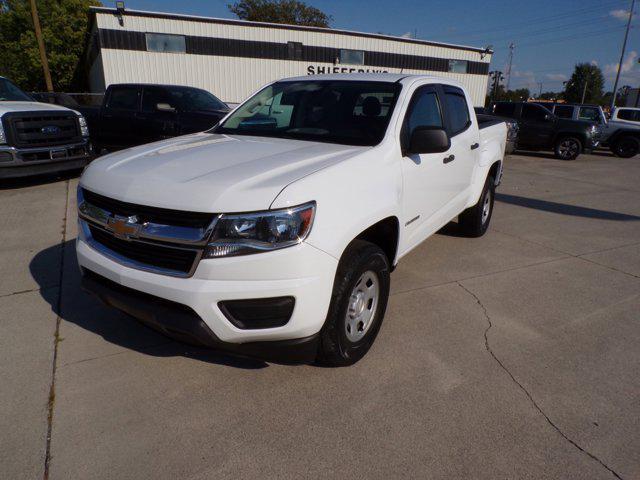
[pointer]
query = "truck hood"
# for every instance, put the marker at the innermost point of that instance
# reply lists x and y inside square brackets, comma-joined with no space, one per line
[7,107]
[210,173]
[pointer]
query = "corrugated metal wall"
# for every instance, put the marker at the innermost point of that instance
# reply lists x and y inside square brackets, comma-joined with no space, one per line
[233,78]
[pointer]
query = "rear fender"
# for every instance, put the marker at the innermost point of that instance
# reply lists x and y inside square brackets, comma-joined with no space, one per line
[489,162]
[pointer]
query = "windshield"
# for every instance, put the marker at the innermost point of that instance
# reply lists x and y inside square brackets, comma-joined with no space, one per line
[194,99]
[10,93]
[345,112]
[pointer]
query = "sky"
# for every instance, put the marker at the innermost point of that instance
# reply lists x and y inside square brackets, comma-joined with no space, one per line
[550,36]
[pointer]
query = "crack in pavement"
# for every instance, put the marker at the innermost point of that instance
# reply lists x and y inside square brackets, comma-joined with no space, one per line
[19,292]
[56,342]
[526,392]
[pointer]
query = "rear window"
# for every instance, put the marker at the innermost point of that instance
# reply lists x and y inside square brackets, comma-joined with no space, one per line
[457,109]
[589,113]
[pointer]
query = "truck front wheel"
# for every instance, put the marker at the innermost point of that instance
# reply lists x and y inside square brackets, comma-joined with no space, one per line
[626,147]
[358,303]
[474,221]
[568,148]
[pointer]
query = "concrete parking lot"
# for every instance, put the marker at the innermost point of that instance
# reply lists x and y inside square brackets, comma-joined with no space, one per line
[511,356]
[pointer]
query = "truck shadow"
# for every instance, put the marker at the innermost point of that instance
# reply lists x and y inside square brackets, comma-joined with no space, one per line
[564,209]
[77,307]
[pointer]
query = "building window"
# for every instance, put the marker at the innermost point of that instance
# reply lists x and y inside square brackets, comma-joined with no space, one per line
[162,42]
[352,57]
[458,66]
[294,50]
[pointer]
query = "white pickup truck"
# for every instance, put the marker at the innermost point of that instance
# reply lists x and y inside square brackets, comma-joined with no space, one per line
[273,235]
[38,138]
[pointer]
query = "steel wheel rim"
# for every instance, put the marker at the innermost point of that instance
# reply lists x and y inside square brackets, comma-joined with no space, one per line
[361,310]
[568,148]
[486,207]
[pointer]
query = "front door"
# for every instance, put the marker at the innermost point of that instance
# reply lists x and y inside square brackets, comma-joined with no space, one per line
[429,184]
[118,123]
[537,126]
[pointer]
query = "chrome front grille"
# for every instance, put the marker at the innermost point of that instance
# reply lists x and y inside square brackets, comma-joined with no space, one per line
[133,235]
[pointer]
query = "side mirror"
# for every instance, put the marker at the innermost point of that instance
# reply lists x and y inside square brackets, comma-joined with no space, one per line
[429,140]
[164,107]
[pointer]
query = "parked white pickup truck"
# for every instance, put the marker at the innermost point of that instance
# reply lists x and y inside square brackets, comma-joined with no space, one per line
[273,235]
[38,138]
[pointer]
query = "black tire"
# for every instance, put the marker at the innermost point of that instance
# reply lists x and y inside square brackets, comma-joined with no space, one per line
[568,148]
[626,147]
[336,348]
[474,221]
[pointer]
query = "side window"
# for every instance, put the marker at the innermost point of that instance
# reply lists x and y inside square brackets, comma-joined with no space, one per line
[563,111]
[124,98]
[505,110]
[457,109]
[424,111]
[627,114]
[534,112]
[152,97]
[589,113]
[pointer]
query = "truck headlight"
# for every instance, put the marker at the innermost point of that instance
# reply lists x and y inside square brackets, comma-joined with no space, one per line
[84,128]
[3,137]
[247,233]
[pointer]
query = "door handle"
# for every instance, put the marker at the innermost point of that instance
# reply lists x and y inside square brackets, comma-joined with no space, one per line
[448,159]
[474,146]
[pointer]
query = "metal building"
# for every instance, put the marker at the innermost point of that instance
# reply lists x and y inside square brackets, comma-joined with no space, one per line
[232,58]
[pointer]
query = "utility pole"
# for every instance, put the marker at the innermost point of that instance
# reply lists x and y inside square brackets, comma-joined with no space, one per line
[43,52]
[624,46]
[540,85]
[511,47]
[584,89]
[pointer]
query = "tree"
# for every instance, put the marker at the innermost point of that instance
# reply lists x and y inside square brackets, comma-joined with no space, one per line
[292,12]
[592,75]
[64,28]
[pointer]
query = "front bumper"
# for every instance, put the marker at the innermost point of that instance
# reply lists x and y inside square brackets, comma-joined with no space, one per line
[183,324]
[21,162]
[303,272]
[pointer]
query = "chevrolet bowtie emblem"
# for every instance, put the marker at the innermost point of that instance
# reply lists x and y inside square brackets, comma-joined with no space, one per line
[125,228]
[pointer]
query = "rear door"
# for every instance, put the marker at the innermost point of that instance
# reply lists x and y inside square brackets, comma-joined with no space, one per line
[465,145]
[537,126]
[118,123]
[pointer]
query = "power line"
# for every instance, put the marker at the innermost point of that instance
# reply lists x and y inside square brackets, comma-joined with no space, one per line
[554,29]
[536,20]
[594,33]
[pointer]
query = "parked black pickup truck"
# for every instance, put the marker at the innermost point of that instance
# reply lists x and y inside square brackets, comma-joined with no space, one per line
[542,130]
[133,114]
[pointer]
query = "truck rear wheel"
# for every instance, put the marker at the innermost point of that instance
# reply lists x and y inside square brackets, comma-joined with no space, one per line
[626,147]
[358,303]
[474,221]
[568,148]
